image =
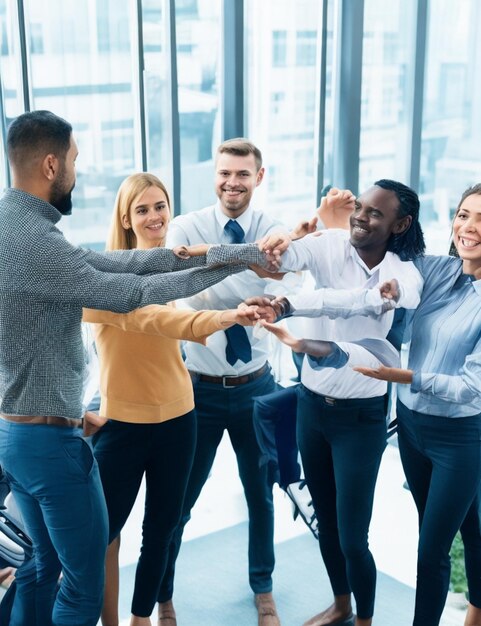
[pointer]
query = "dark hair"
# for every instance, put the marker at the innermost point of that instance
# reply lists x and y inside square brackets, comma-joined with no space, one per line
[470,191]
[409,244]
[241,147]
[36,134]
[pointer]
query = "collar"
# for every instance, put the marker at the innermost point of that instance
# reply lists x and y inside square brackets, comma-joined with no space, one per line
[357,259]
[32,203]
[475,283]
[244,220]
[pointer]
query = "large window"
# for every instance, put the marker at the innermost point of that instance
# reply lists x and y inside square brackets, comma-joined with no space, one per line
[198,41]
[137,101]
[281,90]
[451,135]
[81,69]
[388,51]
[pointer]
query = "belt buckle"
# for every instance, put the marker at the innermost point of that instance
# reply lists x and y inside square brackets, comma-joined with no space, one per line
[224,385]
[329,401]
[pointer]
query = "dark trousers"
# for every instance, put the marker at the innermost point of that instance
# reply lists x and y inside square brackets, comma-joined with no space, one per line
[274,417]
[442,462]
[164,453]
[341,445]
[55,482]
[230,409]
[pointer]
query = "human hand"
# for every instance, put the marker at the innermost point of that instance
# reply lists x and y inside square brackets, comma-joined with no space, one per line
[92,423]
[243,315]
[263,273]
[336,208]
[185,252]
[306,227]
[265,309]
[283,335]
[275,244]
[269,308]
[389,374]
[390,290]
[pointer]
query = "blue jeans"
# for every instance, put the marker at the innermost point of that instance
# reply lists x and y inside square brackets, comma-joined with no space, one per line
[230,409]
[163,453]
[55,481]
[341,446]
[442,461]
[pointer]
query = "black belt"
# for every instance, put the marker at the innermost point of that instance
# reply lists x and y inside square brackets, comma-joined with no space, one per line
[340,401]
[230,381]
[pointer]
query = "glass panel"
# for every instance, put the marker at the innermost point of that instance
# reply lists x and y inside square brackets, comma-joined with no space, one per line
[282,85]
[388,51]
[157,95]
[198,30]
[329,99]
[81,68]
[451,134]
[10,72]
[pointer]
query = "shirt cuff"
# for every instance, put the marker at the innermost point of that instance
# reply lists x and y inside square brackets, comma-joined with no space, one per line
[337,359]
[416,385]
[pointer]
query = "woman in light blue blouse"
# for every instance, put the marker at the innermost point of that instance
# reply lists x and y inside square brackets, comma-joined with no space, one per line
[439,411]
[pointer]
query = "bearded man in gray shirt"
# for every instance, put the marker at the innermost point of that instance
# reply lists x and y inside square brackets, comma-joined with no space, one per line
[44,283]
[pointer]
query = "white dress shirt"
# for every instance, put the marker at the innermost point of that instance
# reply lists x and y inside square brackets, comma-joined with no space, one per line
[207,226]
[334,263]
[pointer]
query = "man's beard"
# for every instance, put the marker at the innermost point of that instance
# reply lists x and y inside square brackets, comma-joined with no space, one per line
[60,200]
[63,204]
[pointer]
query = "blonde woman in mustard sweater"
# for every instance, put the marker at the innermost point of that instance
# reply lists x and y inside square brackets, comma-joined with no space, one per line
[147,403]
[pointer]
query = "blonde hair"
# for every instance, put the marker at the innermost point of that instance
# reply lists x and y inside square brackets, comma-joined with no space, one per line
[131,188]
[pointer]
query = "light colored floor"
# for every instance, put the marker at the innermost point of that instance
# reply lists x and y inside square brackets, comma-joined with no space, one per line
[393,535]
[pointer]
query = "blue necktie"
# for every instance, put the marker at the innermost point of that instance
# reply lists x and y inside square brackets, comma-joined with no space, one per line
[234,232]
[238,345]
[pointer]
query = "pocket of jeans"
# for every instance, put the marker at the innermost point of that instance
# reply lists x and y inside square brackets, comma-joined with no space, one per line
[79,452]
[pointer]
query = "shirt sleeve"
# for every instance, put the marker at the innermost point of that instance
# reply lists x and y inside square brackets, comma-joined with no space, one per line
[62,273]
[345,354]
[165,321]
[462,388]
[340,303]
[303,254]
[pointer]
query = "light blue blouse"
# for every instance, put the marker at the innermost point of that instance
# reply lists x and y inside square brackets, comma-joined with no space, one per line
[445,346]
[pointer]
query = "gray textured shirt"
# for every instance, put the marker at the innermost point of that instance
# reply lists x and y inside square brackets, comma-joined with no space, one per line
[44,283]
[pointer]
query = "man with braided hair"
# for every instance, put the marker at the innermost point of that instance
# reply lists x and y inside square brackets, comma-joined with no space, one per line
[341,420]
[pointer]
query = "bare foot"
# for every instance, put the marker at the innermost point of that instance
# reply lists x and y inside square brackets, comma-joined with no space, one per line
[140,621]
[335,614]
[167,614]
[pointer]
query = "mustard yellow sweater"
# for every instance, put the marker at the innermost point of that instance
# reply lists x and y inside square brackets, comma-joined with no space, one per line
[143,378]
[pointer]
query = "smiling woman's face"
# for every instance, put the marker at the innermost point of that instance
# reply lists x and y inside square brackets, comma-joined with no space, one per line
[149,218]
[467,234]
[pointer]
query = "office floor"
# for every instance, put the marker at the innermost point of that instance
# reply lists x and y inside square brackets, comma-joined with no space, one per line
[393,535]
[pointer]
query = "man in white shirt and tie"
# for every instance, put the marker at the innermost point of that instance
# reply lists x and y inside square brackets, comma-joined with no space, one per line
[231,369]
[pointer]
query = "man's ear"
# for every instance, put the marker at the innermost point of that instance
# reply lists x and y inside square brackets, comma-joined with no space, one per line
[50,166]
[402,225]
[260,176]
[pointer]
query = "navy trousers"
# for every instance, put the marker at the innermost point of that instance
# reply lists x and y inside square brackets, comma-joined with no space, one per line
[230,409]
[341,444]
[442,461]
[163,453]
[55,481]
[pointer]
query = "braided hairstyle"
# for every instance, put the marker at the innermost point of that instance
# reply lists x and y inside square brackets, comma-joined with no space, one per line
[470,191]
[409,244]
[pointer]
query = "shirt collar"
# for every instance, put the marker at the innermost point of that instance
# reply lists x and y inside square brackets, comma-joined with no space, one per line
[33,203]
[477,286]
[357,259]
[244,220]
